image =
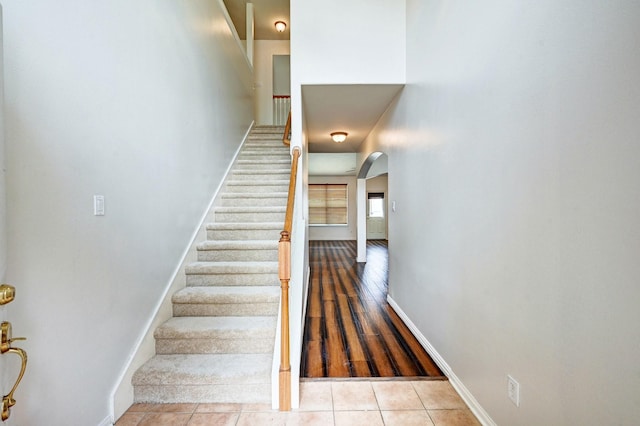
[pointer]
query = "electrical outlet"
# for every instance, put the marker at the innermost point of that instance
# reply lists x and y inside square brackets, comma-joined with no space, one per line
[513,390]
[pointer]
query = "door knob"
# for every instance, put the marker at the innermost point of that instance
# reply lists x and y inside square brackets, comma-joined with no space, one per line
[7,293]
[5,346]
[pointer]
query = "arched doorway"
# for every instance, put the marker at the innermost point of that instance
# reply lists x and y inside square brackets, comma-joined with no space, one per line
[375,165]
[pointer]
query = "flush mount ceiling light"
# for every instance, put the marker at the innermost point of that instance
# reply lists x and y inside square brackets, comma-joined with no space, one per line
[280,26]
[339,137]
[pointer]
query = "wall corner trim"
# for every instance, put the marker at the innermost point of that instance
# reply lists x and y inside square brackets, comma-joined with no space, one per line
[466,395]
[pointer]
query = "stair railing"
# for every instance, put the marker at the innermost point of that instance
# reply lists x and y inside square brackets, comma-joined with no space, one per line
[287,131]
[281,104]
[284,274]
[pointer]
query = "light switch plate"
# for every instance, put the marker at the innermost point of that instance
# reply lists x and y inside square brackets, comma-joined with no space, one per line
[513,390]
[98,205]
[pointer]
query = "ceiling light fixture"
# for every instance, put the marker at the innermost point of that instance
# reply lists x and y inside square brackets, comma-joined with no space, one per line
[280,26]
[339,137]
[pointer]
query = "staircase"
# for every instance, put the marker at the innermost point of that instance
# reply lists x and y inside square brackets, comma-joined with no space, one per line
[218,346]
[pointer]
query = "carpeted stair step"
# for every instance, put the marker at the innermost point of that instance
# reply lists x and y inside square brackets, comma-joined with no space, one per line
[210,378]
[249,174]
[275,131]
[257,164]
[249,214]
[226,301]
[258,185]
[261,152]
[283,152]
[244,231]
[212,335]
[266,143]
[275,156]
[258,199]
[232,273]
[271,143]
[267,129]
[229,251]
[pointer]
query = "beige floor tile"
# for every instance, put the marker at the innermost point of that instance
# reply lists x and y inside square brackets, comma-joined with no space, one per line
[165,419]
[142,408]
[310,418]
[130,419]
[353,396]
[438,394]
[315,396]
[406,418]
[397,396]
[175,408]
[274,418]
[257,407]
[213,419]
[218,408]
[358,418]
[453,418]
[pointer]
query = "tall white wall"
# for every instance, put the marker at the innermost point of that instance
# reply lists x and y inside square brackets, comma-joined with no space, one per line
[3,198]
[145,103]
[263,77]
[515,163]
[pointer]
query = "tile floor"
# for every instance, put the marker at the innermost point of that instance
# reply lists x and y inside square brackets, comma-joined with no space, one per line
[325,403]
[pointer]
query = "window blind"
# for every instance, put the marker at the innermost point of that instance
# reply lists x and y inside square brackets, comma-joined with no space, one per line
[327,204]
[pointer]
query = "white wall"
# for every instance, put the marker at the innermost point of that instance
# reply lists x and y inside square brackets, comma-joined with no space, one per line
[363,43]
[337,232]
[263,77]
[145,103]
[3,198]
[514,159]
[281,74]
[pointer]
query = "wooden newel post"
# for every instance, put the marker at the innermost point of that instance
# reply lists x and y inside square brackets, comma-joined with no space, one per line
[284,273]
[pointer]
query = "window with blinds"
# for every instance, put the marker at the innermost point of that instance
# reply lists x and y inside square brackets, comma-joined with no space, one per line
[327,204]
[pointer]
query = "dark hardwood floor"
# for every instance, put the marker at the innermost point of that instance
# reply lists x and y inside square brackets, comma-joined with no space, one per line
[351,331]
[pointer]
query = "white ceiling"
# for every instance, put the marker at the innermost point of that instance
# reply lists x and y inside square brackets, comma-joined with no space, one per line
[353,108]
[265,14]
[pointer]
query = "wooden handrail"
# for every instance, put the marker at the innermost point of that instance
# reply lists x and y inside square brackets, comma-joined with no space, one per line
[284,274]
[287,131]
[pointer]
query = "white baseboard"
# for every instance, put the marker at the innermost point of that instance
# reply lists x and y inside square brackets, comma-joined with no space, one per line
[457,384]
[107,421]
